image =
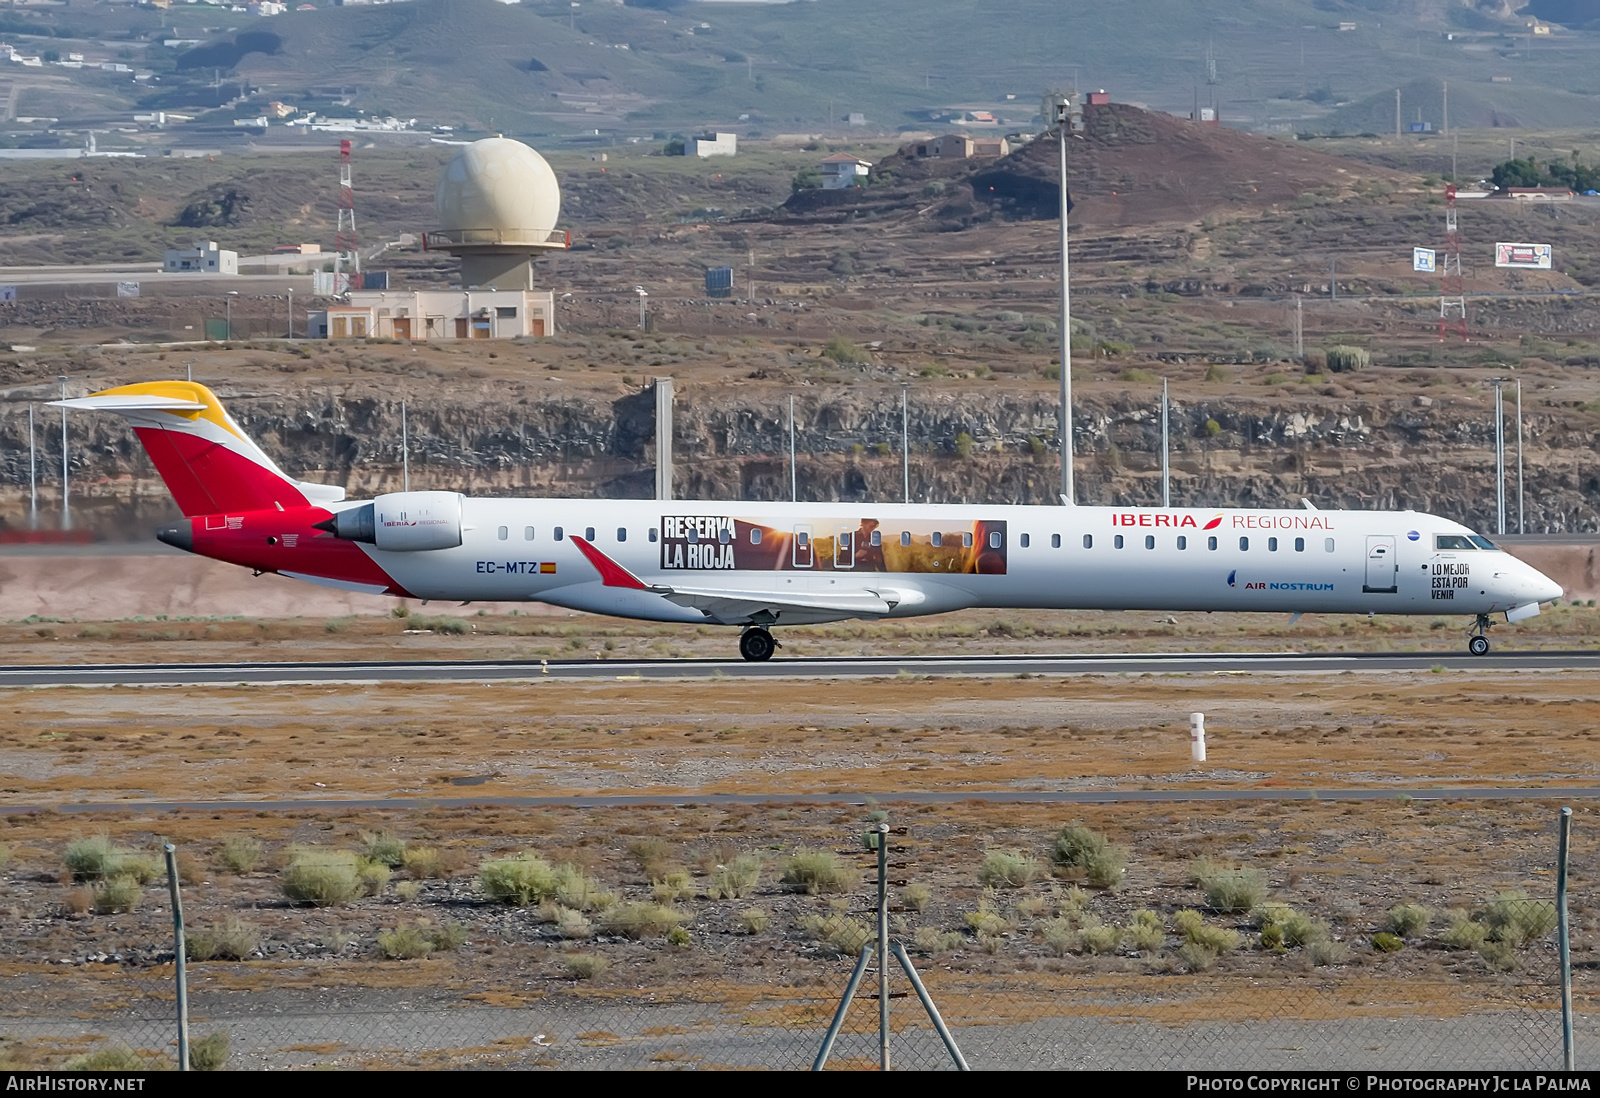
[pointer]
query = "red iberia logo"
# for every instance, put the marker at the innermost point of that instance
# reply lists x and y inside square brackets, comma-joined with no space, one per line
[1160,518]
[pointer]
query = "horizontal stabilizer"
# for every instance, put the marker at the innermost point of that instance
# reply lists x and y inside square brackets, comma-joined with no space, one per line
[129,402]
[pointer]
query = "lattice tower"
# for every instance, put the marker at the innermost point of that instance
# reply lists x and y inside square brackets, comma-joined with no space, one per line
[345,240]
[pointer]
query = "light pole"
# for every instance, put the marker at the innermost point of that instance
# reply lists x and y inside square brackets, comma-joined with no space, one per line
[229,304]
[1059,109]
[33,477]
[291,312]
[642,295]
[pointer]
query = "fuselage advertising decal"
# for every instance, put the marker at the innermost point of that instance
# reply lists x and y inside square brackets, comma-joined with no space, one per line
[724,543]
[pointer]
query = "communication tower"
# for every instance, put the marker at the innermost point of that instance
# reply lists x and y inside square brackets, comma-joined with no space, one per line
[345,240]
[1452,290]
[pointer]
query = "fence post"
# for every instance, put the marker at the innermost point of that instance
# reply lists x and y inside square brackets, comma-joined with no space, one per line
[933,1011]
[883,946]
[178,952]
[1564,938]
[844,1008]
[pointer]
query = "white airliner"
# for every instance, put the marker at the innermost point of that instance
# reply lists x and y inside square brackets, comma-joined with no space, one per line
[759,565]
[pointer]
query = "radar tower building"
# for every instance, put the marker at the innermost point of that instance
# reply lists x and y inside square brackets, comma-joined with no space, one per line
[498,202]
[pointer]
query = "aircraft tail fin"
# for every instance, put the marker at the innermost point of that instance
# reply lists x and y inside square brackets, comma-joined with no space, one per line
[207,462]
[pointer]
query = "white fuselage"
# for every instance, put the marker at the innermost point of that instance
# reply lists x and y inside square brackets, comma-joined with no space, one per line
[928,559]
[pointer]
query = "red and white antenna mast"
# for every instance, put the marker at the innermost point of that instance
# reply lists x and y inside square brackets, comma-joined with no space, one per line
[345,241]
[1452,288]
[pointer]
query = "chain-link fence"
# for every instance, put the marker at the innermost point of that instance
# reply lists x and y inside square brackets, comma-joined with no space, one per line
[1043,970]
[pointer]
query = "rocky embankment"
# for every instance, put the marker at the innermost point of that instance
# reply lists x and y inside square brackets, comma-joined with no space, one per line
[973,442]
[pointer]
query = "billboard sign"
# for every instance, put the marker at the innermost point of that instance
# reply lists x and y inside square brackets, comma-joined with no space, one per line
[1536,256]
[8,293]
[127,289]
[1422,259]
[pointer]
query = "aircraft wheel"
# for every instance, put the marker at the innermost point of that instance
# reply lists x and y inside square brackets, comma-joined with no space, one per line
[1478,646]
[756,645]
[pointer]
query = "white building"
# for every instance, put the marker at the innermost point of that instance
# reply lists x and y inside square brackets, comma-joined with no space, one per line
[436,315]
[843,170]
[716,144]
[204,258]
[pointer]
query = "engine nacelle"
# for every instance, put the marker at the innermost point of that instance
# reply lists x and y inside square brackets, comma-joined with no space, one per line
[402,522]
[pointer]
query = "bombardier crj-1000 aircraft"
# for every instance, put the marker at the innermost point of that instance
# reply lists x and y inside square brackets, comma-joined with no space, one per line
[759,565]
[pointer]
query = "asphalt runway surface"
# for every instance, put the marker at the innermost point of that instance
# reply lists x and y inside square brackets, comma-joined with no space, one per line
[203,674]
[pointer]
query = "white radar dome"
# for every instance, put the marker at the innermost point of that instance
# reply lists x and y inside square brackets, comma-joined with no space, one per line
[501,186]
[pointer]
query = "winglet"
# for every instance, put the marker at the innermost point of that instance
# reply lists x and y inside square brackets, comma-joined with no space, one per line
[612,574]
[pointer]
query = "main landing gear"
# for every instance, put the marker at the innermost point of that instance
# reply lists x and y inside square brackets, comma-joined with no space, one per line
[756,644]
[1478,642]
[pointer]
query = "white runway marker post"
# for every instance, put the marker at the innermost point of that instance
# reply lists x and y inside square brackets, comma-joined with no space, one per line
[1197,737]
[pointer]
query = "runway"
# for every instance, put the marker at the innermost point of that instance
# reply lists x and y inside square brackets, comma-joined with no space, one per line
[671,800]
[1164,663]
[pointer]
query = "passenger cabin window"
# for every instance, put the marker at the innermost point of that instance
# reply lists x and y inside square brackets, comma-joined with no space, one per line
[588,533]
[905,537]
[724,537]
[966,540]
[527,533]
[1088,541]
[1452,541]
[1244,545]
[1055,541]
[1183,542]
[755,535]
[1211,543]
[801,538]
[1024,541]
[1117,542]
[652,533]
[622,533]
[937,539]
[994,539]
[560,533]
[1327,545]
[877,537]
[1299,545]
[1149,541]
[693,536]
[1272,545]
[503,533]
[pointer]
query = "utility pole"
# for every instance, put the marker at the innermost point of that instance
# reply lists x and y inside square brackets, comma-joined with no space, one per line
[1397,114]
[905,448]
[1166,485]
[405,451]
[1499,456]
[1520,530]
[1299,330]
[291,312]
[1447,108]
[66,504]
[1333,278]
[794,481]
[33,477]
[1455,147]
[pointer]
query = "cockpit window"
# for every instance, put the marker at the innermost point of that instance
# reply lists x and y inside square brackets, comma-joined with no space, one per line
[1452,541]
[1483,542]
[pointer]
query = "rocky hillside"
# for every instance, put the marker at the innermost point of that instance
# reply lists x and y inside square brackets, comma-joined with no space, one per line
[969,443]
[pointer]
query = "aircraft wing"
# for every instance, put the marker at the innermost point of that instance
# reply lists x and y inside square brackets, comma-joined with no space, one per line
[738,606]
[734,606]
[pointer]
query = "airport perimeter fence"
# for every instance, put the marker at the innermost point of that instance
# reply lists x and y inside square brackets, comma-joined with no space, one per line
[1030,977]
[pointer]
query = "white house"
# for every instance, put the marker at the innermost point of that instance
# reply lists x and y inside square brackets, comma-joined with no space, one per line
[717,144]
[843,170]
[204,258]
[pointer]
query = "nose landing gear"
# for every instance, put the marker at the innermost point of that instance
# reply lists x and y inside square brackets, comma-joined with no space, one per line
[756,644]
[1478,641]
